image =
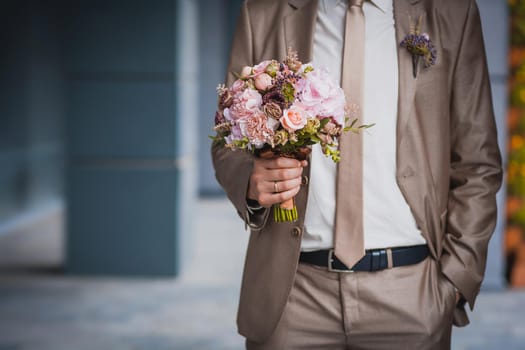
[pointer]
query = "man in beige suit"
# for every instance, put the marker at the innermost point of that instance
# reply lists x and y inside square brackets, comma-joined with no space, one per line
[430,169]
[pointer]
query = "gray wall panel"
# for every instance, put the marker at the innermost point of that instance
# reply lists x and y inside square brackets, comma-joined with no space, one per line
[494,18]
[121,221]
[132,103]
[31,110]
[119,36]
[213,46]
[217,20]
[118,118]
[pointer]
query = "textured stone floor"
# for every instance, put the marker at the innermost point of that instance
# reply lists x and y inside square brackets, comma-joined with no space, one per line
[42,309]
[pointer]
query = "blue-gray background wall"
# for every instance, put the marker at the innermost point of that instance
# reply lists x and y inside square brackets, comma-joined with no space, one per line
[98,119]
[217,20]
[121,136]
[31,113]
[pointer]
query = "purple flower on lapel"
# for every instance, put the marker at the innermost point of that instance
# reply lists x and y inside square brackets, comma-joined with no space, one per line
[419,45]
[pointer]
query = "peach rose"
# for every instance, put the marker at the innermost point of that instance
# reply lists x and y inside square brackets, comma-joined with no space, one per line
[293,119]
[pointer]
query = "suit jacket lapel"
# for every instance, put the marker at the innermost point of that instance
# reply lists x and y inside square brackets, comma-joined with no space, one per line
[299,27]
[411,157]
[407,83]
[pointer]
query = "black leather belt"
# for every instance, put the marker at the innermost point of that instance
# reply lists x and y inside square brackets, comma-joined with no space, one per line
[374,260]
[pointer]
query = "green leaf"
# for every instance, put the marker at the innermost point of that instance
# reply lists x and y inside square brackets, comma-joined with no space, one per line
[288,92]
[308,69]
[324,121]
[367,126]
[315,138]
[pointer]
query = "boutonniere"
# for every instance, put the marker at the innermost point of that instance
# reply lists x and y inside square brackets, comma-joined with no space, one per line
[419,45]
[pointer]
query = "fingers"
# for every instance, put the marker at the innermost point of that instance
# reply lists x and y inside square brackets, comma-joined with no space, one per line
[283,185]
[282,174]
[279,169]
[271,192]
[275,180]
[282,163]
[268,199]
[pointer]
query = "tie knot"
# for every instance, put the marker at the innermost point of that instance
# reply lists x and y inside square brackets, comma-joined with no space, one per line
[358,3]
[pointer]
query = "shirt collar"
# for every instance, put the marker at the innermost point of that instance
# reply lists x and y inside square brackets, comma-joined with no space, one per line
[383,5]
[332,3]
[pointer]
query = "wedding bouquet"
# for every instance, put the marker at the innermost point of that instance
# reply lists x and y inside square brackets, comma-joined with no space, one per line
[281,109]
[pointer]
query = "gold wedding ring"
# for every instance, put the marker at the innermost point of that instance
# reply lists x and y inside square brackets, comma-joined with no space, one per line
[275,188]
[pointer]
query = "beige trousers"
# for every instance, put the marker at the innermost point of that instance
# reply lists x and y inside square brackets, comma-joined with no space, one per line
[408,307]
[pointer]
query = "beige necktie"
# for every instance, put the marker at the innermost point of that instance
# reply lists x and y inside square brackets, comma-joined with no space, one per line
[349,241]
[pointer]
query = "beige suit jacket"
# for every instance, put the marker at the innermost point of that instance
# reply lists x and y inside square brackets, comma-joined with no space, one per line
[448,162]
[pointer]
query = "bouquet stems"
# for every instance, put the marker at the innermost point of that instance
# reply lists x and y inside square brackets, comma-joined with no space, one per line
[285,211]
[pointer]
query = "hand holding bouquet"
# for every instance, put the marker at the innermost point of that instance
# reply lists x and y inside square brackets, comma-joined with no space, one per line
[280,109]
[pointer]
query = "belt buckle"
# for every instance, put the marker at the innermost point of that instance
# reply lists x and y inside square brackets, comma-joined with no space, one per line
[331,261]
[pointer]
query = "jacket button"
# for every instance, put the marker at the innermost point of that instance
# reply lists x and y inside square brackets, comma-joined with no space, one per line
[296,231]
[304,180]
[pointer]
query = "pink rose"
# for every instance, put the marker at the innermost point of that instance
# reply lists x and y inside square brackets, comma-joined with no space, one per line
[321,97]
[237,86]
[251,99]
[263,81]
[244,104]
[293,119]
[261,67]
[246,71]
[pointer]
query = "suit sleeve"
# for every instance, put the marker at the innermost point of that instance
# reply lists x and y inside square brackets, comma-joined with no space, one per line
[233,168]
[475,168]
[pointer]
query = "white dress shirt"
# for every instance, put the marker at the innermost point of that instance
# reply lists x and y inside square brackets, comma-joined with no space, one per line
[388,221]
